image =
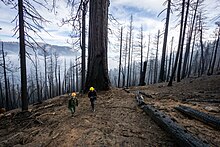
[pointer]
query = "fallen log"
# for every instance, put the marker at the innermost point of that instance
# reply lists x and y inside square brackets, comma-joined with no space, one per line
[206,118]
[145,94]
[202,100]
[181,135]
[126,90]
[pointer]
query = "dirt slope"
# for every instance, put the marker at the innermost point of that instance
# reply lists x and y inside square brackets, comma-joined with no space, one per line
[117,120]
[189,92]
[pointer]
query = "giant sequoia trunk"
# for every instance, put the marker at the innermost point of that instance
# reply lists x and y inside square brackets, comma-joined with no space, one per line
[97,73]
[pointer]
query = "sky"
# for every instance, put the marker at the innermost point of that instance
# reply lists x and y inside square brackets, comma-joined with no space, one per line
[145,13]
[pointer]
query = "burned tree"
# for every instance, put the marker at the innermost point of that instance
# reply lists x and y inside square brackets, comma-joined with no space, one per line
[97,73]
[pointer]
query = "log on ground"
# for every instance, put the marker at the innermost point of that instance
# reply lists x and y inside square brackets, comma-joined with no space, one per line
[181,135]
[145,94]
[202,100]
[206,118]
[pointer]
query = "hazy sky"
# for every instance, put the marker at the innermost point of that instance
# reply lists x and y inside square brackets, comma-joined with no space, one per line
[145,13]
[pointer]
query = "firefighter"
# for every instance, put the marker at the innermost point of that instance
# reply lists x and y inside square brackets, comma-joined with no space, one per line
[72,103]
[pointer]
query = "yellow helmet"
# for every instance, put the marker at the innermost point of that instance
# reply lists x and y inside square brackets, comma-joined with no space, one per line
[91,88]
[73,94]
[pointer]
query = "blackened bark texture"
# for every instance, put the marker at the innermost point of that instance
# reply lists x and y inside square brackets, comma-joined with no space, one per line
[119,73]
[186,56]
[170,59]
[24,98]
[83,44]
[206,118]
[182,43]
[97,73]
[181,135]
[156,58]
[162,72]
[5,79]
[215,54]
[142,83]
[179,46]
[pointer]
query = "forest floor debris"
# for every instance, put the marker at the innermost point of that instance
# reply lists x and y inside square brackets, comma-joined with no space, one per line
[117,121]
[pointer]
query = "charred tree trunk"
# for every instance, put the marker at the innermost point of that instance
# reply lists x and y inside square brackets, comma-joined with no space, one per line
[181,135]
[156,58]
[59,87]
[191,56]
[83,45]
[97,75]
[215,54]
[5,79]
[141,82]
[162,77]
[202,47]
[45,75]
[182,41]
[148,50]
[22,57]
[186,56]
[143,74]
[170,59]
[129,51]
[119,73]
[1,96]
[124,71]
[207,119]
[179,46]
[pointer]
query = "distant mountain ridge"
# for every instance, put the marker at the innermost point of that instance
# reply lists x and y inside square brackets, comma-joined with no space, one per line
[13,48]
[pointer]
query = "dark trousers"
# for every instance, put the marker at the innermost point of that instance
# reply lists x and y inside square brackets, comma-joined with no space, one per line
[92,100]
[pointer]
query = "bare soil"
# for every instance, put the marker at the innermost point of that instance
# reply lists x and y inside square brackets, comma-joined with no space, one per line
[117,120]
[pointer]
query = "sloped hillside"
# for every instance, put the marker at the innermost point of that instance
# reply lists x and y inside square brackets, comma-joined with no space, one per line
[117,120]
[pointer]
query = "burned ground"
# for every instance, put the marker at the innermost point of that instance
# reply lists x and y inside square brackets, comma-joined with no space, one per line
[117,121]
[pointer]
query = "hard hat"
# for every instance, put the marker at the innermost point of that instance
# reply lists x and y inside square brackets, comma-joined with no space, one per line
[91,89]
[73,94]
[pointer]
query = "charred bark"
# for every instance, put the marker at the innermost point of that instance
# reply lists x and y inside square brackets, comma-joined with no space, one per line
[97,73]
[206,118]
[182,137]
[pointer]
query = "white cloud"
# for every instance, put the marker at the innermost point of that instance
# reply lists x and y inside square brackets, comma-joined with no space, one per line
[149,5]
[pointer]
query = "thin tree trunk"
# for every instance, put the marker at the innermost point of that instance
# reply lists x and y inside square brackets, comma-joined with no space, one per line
[141,81]
[129,51]
[119,73]
[156,64]
[202,47]
[148,50]
[77,77]
[162,77]
[83,45]
[45,75]
[179,46]
[169,66]
[22,57]
[5,79]
[189,43]
[215,54]
[194,38]
[126,48]
[2,98]
[182,41]
[59,87]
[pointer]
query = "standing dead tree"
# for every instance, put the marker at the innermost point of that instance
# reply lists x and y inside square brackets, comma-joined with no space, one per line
[29,20]
[162,72]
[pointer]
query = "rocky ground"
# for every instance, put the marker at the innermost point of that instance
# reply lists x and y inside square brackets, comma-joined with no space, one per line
[117,120]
